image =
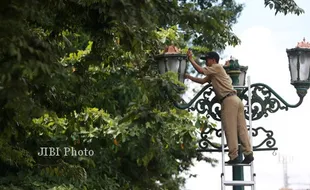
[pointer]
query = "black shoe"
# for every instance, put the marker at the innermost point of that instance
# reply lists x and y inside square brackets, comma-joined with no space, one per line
[234,161]
[248,159]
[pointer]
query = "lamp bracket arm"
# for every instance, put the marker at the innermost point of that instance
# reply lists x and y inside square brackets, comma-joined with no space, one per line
[265,99]
[192,101]
[262,85]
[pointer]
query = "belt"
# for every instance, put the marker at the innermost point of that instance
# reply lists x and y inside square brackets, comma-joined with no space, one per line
[227,95]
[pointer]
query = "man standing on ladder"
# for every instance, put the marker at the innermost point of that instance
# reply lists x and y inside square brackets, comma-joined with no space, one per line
[232,108]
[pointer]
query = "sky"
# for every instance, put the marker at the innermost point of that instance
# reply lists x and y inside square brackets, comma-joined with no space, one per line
[265,38]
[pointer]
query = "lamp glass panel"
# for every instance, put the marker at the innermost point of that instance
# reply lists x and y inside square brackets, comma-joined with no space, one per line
[293,67]
[304,65]
[161,66]
[242,78]
[173,64]
[182,71]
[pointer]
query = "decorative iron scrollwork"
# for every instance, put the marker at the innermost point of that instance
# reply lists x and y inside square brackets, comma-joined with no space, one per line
[205,141]
[205,144]
[207,103]
[264,101]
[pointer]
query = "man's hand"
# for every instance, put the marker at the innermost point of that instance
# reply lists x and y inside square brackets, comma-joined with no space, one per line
[192,61]
[189,54]
[187,76]
[195,79]
[227,63]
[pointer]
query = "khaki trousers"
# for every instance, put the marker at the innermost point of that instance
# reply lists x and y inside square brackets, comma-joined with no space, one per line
[234,125]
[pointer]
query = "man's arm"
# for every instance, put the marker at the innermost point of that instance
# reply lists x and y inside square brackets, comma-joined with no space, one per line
[198,80]
[195,65]
[203,70]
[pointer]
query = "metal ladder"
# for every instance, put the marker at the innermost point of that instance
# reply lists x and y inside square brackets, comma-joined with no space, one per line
[252,182]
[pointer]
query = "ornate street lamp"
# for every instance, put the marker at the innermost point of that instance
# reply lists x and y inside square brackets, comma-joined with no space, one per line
[233,70]
[172,60]
[236,72]
[299,65]
[264,100]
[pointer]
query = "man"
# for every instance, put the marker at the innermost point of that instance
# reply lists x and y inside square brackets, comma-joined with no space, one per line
[232,108]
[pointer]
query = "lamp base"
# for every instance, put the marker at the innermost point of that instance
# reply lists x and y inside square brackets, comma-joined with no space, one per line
[234,75]
[179,88]
[301,87]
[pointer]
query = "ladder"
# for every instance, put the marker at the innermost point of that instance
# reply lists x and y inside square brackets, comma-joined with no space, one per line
[251,183]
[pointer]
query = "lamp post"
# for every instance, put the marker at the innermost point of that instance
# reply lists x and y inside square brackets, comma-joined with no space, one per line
[264,99]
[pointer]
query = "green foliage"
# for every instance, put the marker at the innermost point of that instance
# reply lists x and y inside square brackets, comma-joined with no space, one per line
[284,6]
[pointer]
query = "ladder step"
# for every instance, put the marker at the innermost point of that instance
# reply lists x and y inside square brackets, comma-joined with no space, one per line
[244,183]
[240,86]
[238,164]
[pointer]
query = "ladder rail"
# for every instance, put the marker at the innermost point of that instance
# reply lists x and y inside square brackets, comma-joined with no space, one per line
[251,133]
[223,159]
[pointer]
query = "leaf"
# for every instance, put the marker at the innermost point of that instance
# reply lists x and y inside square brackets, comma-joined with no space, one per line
[270,5]
[86,117]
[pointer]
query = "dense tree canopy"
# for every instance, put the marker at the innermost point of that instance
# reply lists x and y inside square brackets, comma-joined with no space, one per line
[79,73]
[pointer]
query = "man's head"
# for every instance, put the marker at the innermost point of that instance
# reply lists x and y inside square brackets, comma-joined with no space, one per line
[212,58]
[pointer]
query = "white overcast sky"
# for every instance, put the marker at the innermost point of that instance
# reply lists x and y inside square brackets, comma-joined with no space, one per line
[265,38]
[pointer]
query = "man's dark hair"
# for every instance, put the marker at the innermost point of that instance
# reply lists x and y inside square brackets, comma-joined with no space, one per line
[213,55]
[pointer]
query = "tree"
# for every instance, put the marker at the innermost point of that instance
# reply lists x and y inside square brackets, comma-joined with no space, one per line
[284,6]
[79,74]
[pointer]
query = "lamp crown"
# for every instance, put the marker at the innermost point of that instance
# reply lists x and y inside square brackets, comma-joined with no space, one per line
[233,58]
[303,44]
[171,50]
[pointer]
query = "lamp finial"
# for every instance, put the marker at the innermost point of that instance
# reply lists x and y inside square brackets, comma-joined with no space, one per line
[303,44]
[171,50]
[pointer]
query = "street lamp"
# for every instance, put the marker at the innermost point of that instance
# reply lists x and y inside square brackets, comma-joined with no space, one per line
[299,65]
[236,72]
[264,100]
[172,60]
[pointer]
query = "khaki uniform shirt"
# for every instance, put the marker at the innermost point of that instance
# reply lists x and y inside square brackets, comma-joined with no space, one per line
[220,80]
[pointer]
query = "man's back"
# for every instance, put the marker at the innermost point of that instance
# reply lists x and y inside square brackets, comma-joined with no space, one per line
[221,82]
